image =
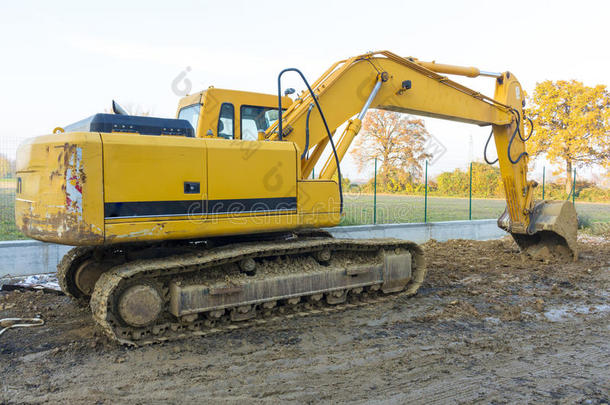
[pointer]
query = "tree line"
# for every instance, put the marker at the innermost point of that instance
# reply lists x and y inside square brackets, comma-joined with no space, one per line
[486,183]
[7,167]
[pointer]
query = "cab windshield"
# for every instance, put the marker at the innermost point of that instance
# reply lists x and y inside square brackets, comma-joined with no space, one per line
[191,114]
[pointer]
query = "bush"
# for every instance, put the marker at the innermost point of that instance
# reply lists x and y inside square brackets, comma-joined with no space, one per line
[455,183]
[584,221]
[601,229]
[593,194]
[486,183]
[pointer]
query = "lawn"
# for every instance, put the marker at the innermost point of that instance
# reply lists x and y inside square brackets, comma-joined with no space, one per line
[394,208]
[401,208]
[8,231]
[359,210]
[7,183]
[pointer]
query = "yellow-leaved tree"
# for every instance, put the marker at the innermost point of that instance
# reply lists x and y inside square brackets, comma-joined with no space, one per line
[571,125]
[397,141]
[7,167]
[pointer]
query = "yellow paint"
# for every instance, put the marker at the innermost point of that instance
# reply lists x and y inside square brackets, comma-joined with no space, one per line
[346,139]
[518,189]
[128,168]
[49,171]
[251,169]
[467,71]
[136,169]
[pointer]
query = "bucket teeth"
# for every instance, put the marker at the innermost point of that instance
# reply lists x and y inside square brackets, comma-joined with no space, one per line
[552,231]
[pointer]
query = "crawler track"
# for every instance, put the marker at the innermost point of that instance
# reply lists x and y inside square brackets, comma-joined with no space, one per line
[218,269]
[66,267]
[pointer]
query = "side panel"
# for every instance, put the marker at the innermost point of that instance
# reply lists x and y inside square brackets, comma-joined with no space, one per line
[59,189]
[249,177]
[245,187]
[152,178]
[319,203]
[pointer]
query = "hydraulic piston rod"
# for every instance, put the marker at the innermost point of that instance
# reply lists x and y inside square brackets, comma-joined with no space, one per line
[350,132]
[369,100]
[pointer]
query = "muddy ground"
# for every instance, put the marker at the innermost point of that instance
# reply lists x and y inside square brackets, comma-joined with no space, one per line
[487,326]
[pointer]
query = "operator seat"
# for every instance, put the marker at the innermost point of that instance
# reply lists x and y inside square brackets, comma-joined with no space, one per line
[221,127]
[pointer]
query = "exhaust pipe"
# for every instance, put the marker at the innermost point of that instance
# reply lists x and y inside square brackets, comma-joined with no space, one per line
[117,109]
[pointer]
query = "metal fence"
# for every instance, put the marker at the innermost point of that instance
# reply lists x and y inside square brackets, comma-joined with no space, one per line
[8,147]
[376,208]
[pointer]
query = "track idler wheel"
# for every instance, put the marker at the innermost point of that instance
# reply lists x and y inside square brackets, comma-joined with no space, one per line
[86,275]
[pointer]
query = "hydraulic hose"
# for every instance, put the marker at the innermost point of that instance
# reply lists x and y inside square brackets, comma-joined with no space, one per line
[518,117]
[307,132]
[315,99]
[512,138]
[485,150]
[531,128]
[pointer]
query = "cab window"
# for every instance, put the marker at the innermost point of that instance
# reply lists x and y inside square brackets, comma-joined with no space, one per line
[191,114]
[226,120]
[256,119]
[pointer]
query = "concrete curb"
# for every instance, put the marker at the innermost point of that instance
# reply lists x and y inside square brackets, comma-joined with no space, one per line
[26,257]
[481,229]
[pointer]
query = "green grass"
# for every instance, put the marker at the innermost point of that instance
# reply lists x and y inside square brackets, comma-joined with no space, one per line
[390,209]
[8,230]
[401,209]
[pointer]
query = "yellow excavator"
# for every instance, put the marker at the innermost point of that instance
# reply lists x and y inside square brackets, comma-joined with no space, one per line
[210,220]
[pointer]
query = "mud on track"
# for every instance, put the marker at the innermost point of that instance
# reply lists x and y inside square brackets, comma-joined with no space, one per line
[486,326]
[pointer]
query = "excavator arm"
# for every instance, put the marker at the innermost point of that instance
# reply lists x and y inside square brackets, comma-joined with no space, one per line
[384,80]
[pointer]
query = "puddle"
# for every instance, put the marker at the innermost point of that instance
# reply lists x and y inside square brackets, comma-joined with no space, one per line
[566,312]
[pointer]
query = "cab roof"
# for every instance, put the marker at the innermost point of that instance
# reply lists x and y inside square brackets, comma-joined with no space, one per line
[234,96]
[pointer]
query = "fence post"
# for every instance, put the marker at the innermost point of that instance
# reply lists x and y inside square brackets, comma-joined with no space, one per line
[375,195]
[426,195]
[574,188]
[543,180]
[470,196]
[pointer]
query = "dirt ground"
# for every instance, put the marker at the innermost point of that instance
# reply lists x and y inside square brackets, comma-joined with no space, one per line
[487,326]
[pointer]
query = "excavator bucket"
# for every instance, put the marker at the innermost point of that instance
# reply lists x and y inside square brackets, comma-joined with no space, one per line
[551,233]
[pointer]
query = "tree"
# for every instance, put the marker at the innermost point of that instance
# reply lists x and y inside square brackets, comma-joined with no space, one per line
[571,125]
[396,140]
[486,180]
[7,167]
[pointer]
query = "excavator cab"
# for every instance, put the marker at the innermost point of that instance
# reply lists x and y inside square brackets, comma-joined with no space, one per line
[230,114]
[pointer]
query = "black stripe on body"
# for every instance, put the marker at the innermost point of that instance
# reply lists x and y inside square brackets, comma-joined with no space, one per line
[197,207]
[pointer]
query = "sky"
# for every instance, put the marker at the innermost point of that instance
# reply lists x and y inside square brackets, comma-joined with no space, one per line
[63,61]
